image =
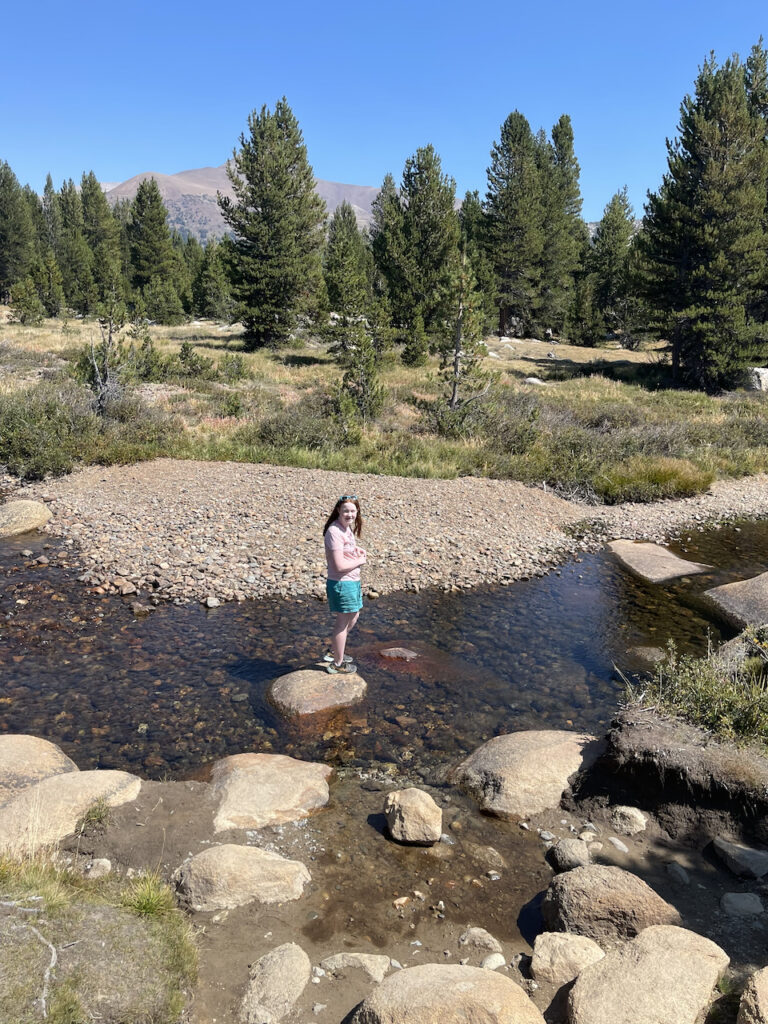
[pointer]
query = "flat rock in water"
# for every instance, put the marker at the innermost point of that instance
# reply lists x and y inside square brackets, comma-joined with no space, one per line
[18,517]
[653,562]
[275,983]
[524,773]
[25,760]
[603,903]
[399,653]
[742,860]
[744,603]
[450,994]
[559,958]
[753,1007]
[311,690]
[666,975]
[375,965]
[255,790]
[227,876]
[46,812]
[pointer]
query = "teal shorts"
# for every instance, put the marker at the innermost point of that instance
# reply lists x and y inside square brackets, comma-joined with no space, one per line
[344,595]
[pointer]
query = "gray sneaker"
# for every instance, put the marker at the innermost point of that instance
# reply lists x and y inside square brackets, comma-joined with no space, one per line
[328,656]
[347,668]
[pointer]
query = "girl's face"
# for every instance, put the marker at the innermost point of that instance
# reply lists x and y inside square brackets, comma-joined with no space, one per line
[348,514]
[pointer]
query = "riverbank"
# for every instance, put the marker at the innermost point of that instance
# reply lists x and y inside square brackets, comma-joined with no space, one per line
[184,530]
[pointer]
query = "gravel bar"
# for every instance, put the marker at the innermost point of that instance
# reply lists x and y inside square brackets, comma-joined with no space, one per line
[206,531]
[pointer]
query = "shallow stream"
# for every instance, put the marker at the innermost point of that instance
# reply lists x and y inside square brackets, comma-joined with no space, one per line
[165,694]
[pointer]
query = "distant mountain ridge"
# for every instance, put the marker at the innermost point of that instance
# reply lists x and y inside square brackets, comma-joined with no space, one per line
[190,198]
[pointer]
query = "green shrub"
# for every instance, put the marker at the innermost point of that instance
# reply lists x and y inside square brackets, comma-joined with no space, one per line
[192,364]
[233,367]
[644,478]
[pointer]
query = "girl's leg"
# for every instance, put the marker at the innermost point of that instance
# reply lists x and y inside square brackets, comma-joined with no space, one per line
[342,625]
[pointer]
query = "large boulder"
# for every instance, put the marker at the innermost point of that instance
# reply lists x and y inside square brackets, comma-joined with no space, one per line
[310,691]
[753,1007]
[559,957]
[744,603]
[665,976]
[18,517]
[25,760]
[447,994]
[255,790]
[227,876]
[275,983]
[48,811]
[603,903]
[524,773]
[413,816]
[652,562]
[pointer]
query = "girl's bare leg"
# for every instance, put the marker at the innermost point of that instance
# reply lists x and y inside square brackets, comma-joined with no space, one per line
[341,627]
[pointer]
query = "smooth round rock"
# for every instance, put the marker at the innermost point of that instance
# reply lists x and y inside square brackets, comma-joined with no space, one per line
[25,760]
[413,816]
[228,876]
[568,854]
[309,691]
[18,517]
[256,790]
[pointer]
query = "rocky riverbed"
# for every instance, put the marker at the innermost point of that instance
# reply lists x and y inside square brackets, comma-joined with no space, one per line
[182,530]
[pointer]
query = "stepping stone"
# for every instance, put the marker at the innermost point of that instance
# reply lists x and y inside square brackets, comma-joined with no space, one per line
[399,653]
[744,603]
[228,876]
[256,790]
[309,691]
[653,562]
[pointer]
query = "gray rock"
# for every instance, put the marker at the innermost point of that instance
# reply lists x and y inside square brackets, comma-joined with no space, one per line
[448,994]
[652,562]
[666,975]
[617,844]
[742,860]
[255,790]
[99,867]
[603,903]
[568,854]
[757,379]
[559,957]
[227,876]
[374,965]
[276,981]
[744,603]
[753,1007]
[741,904]
[523,773]
[18,517]
[25,760]
[628,820]
[479,938]
[310,691]
[48,811]
[413,816]
[678,873]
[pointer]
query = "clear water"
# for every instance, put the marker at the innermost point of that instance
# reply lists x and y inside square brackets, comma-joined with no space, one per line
[165,694]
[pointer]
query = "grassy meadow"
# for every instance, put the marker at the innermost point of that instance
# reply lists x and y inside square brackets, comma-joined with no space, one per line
[603,425]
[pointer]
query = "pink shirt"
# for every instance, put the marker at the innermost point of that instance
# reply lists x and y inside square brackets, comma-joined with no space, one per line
[339,538]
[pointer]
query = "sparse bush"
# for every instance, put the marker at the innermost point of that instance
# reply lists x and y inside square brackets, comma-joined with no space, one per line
[233,367]
[26,307]
[192,364]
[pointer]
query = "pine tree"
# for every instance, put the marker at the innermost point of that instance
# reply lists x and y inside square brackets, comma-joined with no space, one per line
[74,256]
[47,279]
[515,211]
[416,349]
[153,260]
[102,234]
[609,261]
[346,264]
[565,232]
[704,240]
[277,220]
[51,214]
[17,235]
[386,234]
[474,231]
[360,382]
[210,289]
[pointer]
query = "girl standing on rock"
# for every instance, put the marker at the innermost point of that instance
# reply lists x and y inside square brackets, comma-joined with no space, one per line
[342,530]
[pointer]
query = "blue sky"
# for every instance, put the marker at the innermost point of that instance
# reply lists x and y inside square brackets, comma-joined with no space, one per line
[167,86]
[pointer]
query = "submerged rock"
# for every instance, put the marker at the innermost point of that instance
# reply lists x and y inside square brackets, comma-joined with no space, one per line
[603,903]
[18,517]
[523,773]
[666,975]
[255,790]
[309,691]
[227,876]
[450,994]
[652,562]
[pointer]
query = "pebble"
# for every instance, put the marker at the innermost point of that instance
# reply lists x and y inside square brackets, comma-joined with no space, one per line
[548,837]
[621,847]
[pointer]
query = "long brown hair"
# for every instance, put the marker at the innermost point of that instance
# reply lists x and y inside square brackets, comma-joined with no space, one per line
[357,529]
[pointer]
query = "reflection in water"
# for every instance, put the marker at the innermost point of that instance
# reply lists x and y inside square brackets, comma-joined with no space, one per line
[164,694]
